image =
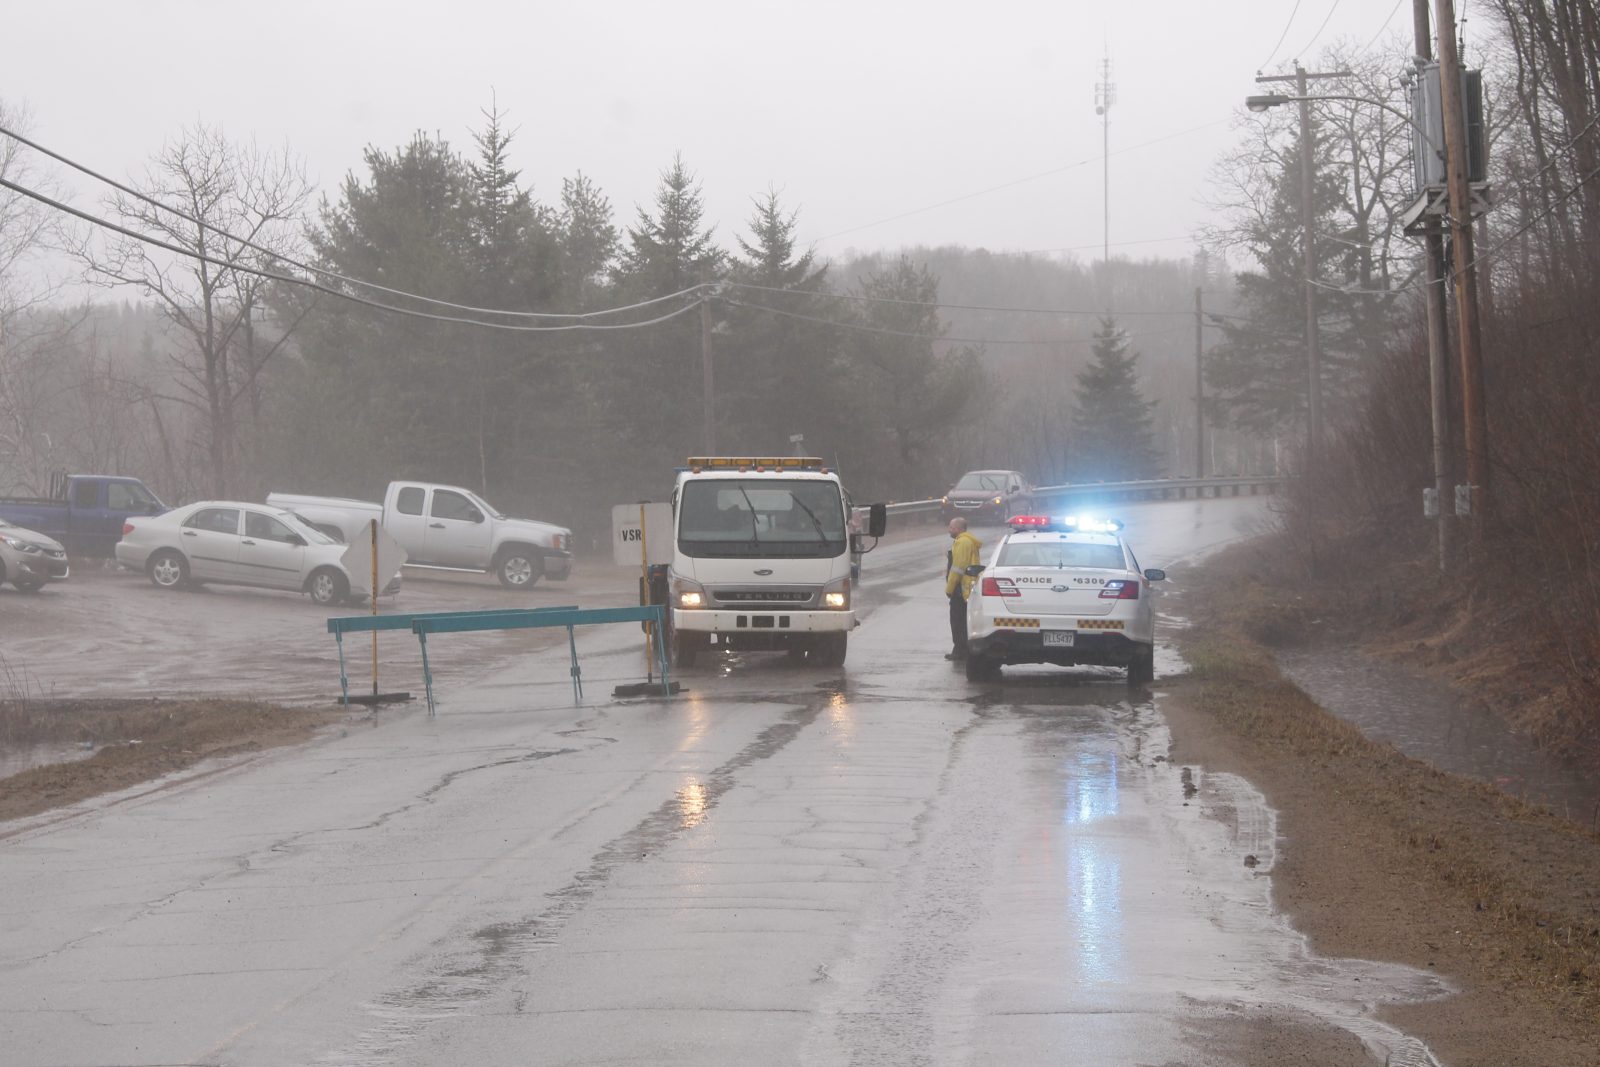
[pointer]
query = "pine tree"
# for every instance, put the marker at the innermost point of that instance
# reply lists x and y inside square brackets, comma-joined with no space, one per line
[1111,439]
[668,251]
[779,364]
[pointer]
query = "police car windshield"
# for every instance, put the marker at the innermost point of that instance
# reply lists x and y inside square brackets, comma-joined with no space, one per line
[761,517]
[1060,554]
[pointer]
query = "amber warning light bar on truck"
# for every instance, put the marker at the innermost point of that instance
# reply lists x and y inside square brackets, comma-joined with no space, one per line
[755,463]
[1063,524]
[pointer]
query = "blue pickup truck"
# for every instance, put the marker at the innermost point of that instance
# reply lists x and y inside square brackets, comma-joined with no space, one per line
[85,512]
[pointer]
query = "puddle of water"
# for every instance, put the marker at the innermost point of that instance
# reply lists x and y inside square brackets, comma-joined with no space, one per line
[15,761]
[1391,703]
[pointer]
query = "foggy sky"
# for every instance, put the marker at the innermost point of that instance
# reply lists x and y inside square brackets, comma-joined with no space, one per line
[856,112]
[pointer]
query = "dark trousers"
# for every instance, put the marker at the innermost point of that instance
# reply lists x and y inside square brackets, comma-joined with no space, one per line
[958,622]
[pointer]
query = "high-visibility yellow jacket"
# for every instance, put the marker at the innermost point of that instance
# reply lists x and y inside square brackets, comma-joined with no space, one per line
[963,554]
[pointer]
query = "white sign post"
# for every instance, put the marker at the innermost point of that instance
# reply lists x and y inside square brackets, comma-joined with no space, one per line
[641,534]
[379,556]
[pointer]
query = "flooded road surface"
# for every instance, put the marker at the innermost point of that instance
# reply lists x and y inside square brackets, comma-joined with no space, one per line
[1391,703]
[883,864]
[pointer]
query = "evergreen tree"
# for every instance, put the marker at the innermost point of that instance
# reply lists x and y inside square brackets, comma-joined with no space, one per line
[650,401]
[587,238]
[779,365]
[668,251]
[904,381]
[1258,376]
[1110,418]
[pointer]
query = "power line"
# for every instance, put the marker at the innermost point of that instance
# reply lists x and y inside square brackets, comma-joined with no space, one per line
[320,271]
[318,287]
[1392,11]
[864,328]
[1281,37]
[1020,181]
[1322,27]
[861,298]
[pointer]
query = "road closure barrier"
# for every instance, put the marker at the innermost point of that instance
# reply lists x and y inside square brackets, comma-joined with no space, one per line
[538,618]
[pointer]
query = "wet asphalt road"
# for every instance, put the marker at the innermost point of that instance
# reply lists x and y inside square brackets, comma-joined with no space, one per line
[880,865]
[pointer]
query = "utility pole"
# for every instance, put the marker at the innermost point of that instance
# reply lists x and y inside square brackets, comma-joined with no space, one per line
[706,384]
[1438,334]
[1465,271]
[1309,258]
[1199,391]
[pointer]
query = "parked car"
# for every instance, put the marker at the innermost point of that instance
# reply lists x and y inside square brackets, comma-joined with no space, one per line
[84,512]
[230,543]
[445,527]
[1062,590]
[28,559]
[987,496]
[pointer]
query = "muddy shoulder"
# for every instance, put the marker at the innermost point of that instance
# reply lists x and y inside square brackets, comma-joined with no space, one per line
[1385,857]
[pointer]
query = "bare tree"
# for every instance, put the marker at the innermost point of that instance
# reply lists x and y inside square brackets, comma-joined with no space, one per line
[28,232]
[234,194]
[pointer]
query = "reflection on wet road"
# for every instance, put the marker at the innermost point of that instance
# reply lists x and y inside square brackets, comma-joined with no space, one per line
[880,865]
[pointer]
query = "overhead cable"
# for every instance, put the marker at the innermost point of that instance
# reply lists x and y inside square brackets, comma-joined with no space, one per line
[321,271]
[1019,181]
[864,328]
[290,279]
[1281,37]
[1314,36]
[1392,11]
[860,298]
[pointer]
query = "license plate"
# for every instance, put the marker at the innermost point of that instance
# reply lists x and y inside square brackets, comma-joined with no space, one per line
[1058,638]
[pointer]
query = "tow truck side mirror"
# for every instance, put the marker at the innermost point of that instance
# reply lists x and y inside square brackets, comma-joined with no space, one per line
[1155,574]
[877,520]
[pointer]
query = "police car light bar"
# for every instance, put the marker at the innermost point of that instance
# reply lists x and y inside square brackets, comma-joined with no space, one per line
[1064,524]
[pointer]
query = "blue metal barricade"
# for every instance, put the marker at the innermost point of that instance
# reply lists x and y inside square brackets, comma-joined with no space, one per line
[571,618]
[349,624]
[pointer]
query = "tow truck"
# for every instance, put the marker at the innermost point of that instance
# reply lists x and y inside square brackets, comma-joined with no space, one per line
[762,557]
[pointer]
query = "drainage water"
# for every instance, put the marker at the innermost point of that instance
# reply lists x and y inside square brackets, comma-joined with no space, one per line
[1423,719]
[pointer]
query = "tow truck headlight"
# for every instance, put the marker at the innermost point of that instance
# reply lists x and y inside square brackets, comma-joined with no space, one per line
[836,595]
[688,594]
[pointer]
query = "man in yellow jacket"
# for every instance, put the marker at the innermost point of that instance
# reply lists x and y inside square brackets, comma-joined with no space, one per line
[958,584]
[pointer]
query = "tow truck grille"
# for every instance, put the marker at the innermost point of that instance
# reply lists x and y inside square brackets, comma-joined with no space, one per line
[749,598]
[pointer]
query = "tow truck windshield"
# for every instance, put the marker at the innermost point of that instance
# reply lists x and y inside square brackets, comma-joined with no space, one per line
[727,518]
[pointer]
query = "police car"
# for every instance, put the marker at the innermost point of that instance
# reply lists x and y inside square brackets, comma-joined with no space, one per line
[1063,590]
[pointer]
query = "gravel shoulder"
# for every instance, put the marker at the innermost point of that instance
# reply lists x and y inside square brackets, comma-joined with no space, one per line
[1384,857]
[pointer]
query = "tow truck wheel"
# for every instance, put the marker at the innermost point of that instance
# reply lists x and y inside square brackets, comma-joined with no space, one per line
[168,570]
[831,649]
[686,647]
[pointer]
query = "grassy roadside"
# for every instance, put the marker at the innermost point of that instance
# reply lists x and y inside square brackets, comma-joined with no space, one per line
[136,741]
[1385,857]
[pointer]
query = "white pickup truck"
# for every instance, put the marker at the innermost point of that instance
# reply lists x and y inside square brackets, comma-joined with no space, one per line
[445,527]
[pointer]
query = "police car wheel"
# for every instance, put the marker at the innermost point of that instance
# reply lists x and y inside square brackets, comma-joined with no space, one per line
[1142,668]
[982,668]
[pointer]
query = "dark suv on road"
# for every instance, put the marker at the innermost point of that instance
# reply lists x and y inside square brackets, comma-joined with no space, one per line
[987,496]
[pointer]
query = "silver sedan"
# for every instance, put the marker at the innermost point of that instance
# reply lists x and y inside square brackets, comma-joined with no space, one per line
[231,543]
[28,560]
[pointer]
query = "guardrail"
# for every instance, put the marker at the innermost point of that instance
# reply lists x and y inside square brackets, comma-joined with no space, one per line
[1113,492]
